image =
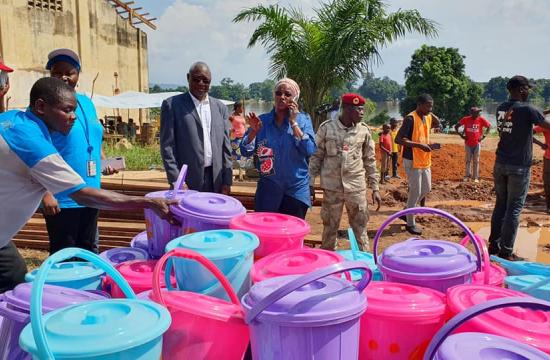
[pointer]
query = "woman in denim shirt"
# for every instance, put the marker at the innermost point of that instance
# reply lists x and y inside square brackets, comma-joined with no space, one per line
[282,142]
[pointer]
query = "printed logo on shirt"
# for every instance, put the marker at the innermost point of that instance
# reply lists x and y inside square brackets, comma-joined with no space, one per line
[6,125]
[473,129]
[505,122]
[266,160]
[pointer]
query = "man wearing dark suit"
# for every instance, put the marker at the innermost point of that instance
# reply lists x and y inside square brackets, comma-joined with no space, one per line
[194,130]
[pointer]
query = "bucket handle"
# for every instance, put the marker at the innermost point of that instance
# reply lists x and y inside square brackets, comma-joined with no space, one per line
[6,312]
[38,287]
[483,245]
[308,278]
[536,285]
[455,322]
[426,210]
[188,254]
[181,178]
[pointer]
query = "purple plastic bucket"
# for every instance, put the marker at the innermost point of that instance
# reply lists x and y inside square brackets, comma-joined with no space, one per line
[480,346]
[15,308]
[201,211]
[436,264]
[119,255]
[160,231]
[311,316]
[140,241]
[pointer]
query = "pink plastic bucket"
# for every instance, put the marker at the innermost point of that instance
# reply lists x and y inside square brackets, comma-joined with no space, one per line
[293,262]
[203,327]
[526,326]
[138,274]
[400,320]
[201,211]
[496,274]
[277,232]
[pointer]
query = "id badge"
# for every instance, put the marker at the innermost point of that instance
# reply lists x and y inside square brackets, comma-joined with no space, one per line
[92,168]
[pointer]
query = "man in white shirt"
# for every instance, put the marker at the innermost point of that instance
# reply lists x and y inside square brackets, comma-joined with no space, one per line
[194,130]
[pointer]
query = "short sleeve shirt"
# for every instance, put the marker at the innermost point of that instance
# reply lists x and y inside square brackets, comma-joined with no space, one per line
[81,145]
[515,120]
[406,131]
[29,165]
[473,129]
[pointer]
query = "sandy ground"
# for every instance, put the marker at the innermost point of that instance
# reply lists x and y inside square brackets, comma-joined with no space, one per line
[471,203]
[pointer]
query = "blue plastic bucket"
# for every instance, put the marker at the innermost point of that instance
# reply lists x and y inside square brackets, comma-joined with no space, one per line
[105,329]
[232,251]
[78,275]
[523,267]
[535,285]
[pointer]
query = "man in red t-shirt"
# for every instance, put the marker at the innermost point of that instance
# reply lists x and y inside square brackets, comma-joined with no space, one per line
[546,166]
[473,135]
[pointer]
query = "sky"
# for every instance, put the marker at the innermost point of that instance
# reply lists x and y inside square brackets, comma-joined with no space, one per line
[497,37]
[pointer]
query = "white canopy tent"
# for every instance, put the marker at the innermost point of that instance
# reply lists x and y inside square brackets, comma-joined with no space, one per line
[136,100]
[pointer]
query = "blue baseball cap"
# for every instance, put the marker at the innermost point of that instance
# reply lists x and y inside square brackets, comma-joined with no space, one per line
[66,55]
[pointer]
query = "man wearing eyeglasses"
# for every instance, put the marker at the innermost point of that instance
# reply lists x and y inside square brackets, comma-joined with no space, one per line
[194,130]
[344,160]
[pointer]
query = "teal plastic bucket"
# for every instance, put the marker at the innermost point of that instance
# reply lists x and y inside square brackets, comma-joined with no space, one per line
[78,275]
[365,257]
[232,251]
[113,329]
[535,285]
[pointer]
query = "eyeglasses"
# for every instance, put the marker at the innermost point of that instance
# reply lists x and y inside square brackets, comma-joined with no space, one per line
[286,93]
[200,79]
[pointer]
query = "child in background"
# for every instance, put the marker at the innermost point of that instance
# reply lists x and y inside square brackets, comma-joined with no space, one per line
[385,153]
[396,148]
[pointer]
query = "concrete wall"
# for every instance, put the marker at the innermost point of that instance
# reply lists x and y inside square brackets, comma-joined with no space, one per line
[105,42]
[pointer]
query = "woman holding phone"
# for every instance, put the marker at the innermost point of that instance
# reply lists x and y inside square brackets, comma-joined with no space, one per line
[281,142]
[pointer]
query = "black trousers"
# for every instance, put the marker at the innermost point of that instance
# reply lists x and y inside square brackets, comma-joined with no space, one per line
[12,267]
[73,227]
[291,206]
[394,162]
[208,180]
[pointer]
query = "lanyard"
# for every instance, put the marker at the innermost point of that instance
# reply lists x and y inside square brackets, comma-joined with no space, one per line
[86,129]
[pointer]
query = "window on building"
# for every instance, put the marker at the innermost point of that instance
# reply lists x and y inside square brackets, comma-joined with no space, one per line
[51,5]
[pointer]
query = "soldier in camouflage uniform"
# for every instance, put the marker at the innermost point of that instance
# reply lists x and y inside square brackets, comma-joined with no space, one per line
[345,159]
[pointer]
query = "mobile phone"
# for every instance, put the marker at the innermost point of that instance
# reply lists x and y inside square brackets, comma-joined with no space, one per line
[435,146]
[116,163]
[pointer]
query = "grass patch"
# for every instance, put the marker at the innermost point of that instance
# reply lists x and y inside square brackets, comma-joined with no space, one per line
[139,157]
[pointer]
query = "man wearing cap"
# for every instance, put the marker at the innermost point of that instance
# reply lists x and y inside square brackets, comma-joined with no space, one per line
[194,130]
[4,84]
[512,170]
[344,159]
[70,224]
[30,165]
[414,136]
[473,135]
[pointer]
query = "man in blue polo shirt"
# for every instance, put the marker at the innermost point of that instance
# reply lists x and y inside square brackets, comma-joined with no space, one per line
[30,165]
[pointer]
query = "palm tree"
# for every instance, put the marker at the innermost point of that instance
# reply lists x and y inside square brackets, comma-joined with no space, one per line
[334,47]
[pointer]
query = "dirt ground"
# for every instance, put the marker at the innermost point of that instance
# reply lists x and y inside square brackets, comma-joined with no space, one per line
[470,202]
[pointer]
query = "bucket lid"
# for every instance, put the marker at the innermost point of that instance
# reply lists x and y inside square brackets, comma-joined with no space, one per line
[428,259]
[53,297]
[270,224]
[217,244]
[99,328]
[522,281]
[167,194]
[209,205]
[138,273]
[479,346]
[516,322]
[293,262]
[325,301]
[496,276]
[404,301]
[201,305]
[122,254]
[140,241]
[68,271]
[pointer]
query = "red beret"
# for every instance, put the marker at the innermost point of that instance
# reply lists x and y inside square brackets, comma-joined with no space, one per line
[353,99]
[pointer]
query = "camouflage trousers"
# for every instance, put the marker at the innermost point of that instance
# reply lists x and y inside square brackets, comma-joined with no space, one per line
[331,214]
